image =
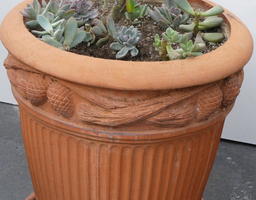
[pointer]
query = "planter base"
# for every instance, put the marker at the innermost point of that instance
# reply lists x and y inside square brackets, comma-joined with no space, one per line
[32,196]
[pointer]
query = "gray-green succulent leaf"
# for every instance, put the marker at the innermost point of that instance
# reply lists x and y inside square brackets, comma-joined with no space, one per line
[184,5]
[216,10]
[213,37]
[210,22]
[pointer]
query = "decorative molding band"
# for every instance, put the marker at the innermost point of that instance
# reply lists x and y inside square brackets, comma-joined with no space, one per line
[113,108]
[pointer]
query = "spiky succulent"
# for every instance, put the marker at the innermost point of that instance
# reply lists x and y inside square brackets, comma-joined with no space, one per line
[134,10]
[65,36]
[202,20]
[168,14]
[84,11]
[53,10]
[126,41]
[174,45]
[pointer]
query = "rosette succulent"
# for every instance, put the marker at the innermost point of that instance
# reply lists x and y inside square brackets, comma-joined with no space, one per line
[126,41]
[174,45]
[84,11]
[168,14]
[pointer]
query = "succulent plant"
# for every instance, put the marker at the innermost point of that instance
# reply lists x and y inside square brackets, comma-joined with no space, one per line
[66,36]
[104,30]
[168,14]
[174,45]
[84,11]
[126,41]
[202,20]
[134,10]
[53,10]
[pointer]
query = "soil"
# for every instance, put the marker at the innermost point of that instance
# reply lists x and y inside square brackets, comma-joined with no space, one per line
[148,29]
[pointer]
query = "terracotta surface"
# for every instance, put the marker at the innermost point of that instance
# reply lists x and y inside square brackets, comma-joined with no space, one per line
[156,139]
[232,56]
[139,145]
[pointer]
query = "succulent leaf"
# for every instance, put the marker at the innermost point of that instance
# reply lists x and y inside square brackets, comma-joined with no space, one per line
[70,32]
[199,43]
[51,41]
[45,23]
[213,37]
[116,46]
[79,38]
[123,52]
[184,5]
[210,22]
[111,27]
[134,52]
[187,27]
[216,10]
[173,54]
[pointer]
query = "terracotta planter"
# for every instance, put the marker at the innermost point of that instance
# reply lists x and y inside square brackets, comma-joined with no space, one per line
[115,130]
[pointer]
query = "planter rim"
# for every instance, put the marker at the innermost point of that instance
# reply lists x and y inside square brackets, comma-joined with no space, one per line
[128,75]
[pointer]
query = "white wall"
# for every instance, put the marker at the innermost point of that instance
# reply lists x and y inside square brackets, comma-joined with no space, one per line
[240,123]
[5,90]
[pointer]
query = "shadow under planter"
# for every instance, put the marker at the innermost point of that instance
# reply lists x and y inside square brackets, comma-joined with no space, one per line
[104,129]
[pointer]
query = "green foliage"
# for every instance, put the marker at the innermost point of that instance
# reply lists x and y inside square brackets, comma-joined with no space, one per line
[168,14]
[84,11]
[65,36]
[134,10]
[104,30]
[174,45]
[126,41]
[202,20]
[53,11]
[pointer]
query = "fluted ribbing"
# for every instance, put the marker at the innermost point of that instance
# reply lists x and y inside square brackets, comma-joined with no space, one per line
[65,167]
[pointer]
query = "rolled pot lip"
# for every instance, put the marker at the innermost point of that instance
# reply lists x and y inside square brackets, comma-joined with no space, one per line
[128,75]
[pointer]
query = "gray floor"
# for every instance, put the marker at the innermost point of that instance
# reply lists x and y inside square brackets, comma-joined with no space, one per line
[233,176]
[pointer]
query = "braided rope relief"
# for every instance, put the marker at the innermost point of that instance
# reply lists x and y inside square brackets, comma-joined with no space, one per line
[178,107]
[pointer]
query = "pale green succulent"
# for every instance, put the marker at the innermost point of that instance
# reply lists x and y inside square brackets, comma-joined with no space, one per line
[168,14]
[202,20]
[65,36]
[174,45]
[126,41]
[53,11]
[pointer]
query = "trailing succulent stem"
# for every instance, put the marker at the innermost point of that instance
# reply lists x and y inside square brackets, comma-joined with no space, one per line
[202,20]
